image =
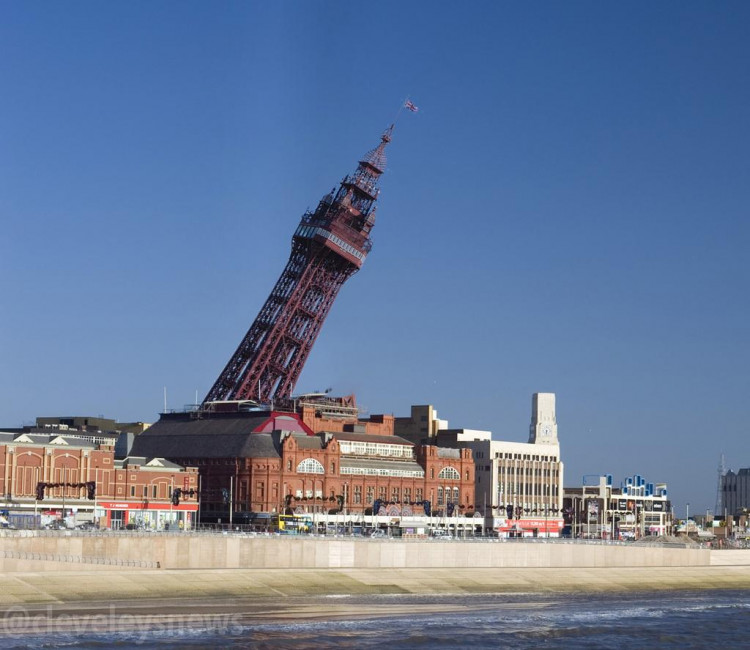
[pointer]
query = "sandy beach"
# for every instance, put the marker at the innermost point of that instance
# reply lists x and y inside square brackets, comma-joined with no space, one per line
[116,600]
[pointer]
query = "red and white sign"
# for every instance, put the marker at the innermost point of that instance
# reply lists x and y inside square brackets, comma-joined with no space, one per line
[140,505]
[529,524]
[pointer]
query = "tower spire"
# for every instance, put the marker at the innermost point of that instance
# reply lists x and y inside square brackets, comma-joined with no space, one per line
[376,157]
[329,246]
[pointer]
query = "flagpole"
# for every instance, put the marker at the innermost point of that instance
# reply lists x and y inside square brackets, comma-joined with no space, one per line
[400,108]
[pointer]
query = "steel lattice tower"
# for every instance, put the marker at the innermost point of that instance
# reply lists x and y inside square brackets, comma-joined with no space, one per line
[329,245]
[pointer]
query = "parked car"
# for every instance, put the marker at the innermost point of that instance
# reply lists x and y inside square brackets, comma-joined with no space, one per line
[378,534]
[441,534]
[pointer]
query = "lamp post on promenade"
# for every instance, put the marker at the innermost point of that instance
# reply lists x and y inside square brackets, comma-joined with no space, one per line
[687,518]
[171,498]
[64,475]
[36,500]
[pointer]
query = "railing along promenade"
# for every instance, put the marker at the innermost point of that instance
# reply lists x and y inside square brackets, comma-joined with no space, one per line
[214,531]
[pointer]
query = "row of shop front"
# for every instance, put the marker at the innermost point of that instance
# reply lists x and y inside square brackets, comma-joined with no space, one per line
[157,516]
[115,515]
[356,523]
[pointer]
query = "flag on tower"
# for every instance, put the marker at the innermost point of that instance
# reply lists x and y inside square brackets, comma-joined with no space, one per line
[410,106]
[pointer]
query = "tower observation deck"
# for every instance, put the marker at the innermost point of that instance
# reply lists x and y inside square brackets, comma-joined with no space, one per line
[329,245]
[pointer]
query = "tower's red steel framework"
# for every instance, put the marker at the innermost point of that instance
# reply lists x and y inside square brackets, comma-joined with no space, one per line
[329,245]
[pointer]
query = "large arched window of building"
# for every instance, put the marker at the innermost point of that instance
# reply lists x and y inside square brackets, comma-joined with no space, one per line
[310,466]
[449,473]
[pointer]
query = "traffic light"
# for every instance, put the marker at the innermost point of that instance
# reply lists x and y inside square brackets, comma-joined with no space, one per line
[176,496]
[376,507]
[91,490]
[40,491]
[427,508]
[451,508]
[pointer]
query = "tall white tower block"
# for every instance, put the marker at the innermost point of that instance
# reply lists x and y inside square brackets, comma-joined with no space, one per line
[543,429]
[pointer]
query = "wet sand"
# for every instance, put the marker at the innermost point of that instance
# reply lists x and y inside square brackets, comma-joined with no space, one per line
[216,614]
[107,601]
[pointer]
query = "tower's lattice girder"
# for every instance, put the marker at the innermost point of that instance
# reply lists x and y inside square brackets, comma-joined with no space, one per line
[329,245]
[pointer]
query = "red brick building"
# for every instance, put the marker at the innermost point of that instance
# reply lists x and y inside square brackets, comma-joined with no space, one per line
[272,462]
[134,491]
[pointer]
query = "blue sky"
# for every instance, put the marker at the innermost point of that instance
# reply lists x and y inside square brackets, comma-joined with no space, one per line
[567,212]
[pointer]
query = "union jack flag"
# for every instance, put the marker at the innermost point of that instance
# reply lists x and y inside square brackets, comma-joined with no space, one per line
[410,106]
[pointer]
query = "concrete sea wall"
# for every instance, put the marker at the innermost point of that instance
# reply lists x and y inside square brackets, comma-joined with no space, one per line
[218,571]
[26,551]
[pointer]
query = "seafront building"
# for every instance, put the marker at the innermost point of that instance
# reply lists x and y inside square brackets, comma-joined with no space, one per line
[67,476]
[314,457]
[518,485]
[636,509]
[318,460]
[735,492]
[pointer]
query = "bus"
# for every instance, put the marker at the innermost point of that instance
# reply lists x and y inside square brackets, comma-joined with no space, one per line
[292,524]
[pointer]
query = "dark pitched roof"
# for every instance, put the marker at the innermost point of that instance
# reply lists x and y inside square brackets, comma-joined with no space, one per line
[223,436]
[183,424]
[307,442]
[241,445]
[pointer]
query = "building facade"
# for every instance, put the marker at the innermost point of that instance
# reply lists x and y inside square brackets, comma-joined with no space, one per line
[518,485]
[735,492]
[55,477]
[636,509]
[422,425]
[256,464]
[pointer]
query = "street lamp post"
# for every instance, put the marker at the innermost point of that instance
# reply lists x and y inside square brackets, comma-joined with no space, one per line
[64,475]
[171,499]
[687,518]
[36,500]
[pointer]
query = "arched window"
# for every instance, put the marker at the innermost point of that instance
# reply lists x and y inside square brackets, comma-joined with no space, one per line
[455,496]
[449,473]
[310,466]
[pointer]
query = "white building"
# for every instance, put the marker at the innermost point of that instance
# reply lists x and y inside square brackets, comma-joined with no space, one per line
[518,484]
[636,509]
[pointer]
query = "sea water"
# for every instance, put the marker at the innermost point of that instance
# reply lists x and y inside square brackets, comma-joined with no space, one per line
[702,619]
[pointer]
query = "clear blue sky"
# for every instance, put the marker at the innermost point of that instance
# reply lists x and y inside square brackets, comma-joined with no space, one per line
[567,212]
